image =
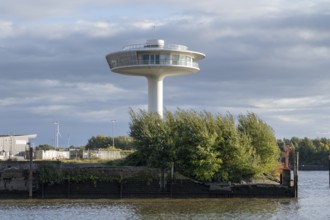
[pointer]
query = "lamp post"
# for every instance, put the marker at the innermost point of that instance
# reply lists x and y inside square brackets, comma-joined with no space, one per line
[57,133]
[113,134]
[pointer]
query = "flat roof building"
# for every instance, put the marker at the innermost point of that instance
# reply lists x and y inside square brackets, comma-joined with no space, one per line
[14,146]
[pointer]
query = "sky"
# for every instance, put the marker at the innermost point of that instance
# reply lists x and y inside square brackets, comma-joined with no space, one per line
[267,57]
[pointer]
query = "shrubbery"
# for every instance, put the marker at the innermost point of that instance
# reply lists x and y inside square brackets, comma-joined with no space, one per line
[204,146]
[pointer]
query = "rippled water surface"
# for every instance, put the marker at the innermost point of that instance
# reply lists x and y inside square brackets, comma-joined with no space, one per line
[313,203]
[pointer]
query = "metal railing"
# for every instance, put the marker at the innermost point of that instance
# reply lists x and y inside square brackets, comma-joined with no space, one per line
[162,46]
[161,62]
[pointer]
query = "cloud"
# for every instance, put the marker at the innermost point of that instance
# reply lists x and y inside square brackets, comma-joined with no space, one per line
[269,57]
[7,29]
[292,103]
[240,9]
[292,119]
[54,98]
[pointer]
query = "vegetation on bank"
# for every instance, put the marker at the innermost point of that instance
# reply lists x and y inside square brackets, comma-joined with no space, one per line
[52,174]
[311,151]
[204,146]
[100,142]
[120,142]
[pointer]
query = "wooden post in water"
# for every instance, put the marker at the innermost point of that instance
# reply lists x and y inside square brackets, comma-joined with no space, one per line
[30,171]
[329,169]
[296,166]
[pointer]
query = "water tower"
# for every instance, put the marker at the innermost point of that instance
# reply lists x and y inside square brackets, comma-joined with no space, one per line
[155,60]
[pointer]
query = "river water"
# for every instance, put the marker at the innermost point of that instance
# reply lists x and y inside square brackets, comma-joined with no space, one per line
[313,203]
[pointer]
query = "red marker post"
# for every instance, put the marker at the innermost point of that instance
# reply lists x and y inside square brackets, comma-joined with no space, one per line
[286,172]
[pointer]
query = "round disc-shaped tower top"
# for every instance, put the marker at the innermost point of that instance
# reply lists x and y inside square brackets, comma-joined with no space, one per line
[154,59]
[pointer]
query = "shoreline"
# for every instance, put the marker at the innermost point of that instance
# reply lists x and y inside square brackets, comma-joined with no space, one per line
[78,181]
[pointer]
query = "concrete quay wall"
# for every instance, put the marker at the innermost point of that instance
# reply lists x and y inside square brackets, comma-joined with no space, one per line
[119,182]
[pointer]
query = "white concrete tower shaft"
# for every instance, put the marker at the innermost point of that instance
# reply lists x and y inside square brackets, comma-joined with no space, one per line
[155,60]
[155,94]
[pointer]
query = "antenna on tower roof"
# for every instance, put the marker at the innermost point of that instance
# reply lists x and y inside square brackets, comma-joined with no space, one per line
[154,27]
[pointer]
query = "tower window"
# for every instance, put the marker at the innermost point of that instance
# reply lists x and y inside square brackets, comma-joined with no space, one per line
[175,59]
[145,59]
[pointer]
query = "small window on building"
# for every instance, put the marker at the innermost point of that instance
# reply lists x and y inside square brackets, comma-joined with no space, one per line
[152,59]
[145,59]
[164,59]
[189,61]
[175,59]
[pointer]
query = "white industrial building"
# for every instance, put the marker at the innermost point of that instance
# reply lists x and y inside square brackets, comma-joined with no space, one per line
[14,146]
[52,154]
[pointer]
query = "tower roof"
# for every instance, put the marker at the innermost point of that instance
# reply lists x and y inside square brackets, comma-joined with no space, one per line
[154,57]
[160,45]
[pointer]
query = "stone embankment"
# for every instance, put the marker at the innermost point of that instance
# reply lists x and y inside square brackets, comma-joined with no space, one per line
[62,180]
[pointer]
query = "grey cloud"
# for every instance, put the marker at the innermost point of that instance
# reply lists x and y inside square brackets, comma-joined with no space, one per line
[57,71]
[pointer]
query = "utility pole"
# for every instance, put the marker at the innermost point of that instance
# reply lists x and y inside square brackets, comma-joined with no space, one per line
[57,133]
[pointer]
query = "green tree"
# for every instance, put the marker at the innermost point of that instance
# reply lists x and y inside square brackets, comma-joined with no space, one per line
[240,160]
[311,151]
[262,140]
[97,142]
[182,138]
[306,150]
[294,142]
[204,146]
[124,142]
[45,147]
[121,142]
[195,141]
[152,139]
